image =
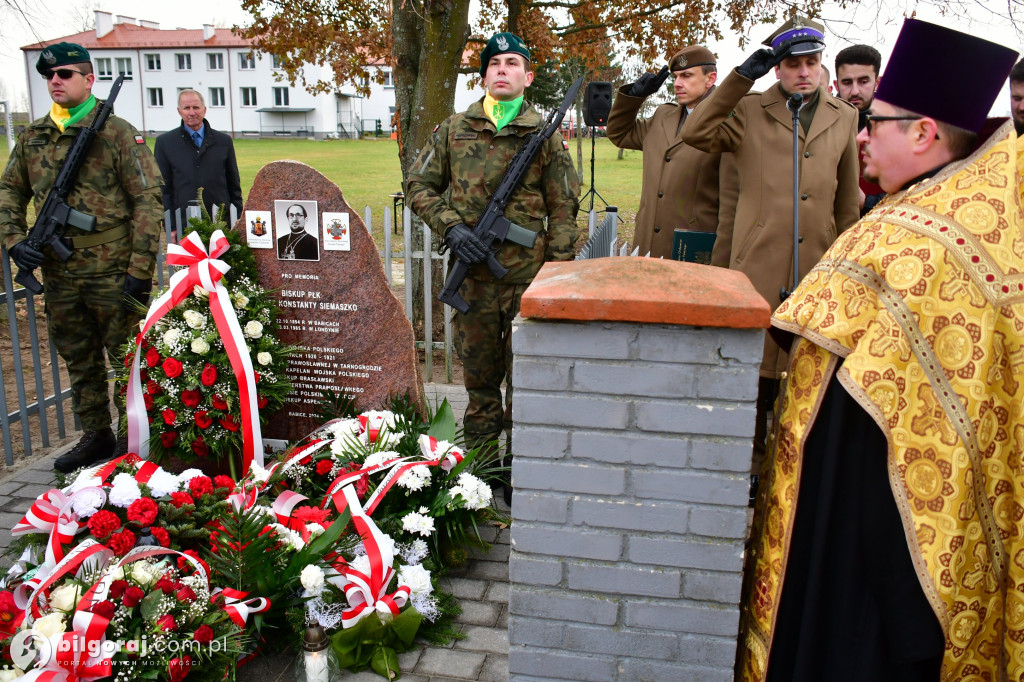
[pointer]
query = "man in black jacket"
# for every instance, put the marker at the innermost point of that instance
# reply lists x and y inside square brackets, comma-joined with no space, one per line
[195,155]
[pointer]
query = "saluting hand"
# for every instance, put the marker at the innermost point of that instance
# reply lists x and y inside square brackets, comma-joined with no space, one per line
[648,84]
[763,61]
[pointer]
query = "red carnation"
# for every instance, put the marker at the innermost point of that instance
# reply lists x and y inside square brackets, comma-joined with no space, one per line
[152,357]
[203,420]
[103,523]
[132,596]
[218,402]
[324,466]
[168,438]
[117,589]
[178,668]
[121,542]
[209,375]
[143,512]
[306,460]
[228,423]
[224,482]
[181,499]
[261,401]
[161,536]
[200,485]
[172,368]
[191,397]
[203,634]
[105,609]
[166,623]
[362,485]
[147,399]
[200,447]
[168,415]
[132,458]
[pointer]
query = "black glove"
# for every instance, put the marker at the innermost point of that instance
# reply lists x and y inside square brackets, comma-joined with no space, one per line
[25,257]
[648,84]
[136,293]
[466,245]
[763,61]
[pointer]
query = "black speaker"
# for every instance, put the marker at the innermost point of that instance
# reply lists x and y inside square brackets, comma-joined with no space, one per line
[597,103]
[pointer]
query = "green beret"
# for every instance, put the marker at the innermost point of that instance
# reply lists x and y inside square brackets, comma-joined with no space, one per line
[502,43]
[61,54]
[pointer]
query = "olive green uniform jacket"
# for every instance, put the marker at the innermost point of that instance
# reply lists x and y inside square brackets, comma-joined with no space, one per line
[680,185]
[757,128]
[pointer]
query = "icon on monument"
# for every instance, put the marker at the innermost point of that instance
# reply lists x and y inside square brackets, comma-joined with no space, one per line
[336,234]
[258,235]
[296,241]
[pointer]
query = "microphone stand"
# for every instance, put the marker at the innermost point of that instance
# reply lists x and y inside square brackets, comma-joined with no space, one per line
[794,104]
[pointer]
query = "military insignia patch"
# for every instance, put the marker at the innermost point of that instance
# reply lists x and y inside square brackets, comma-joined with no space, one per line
[139,139]
[502,43]
[565,145]
[436,127]
[48,57]
[467,135]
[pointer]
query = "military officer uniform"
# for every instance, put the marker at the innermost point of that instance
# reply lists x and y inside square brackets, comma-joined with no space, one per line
[449,185]
[86,297]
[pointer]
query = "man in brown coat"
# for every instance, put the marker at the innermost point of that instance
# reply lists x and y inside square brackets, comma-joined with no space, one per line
[680,185]
[757,128]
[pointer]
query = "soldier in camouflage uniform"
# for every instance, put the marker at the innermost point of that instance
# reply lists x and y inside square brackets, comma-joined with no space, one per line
[449,186]
[92,299]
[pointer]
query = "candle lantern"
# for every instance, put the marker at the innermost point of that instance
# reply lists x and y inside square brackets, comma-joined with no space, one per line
[316,661]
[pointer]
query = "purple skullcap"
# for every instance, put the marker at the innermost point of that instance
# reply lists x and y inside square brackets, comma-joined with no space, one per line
[925,53]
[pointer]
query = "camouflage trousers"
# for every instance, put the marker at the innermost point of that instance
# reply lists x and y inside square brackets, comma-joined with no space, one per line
[483,340]
[85,316]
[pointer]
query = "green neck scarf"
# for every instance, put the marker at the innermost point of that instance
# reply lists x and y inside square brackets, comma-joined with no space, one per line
[65,118]
[501,113]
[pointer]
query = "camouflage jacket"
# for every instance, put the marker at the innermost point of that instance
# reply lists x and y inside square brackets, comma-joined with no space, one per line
[119,183]
[459,169]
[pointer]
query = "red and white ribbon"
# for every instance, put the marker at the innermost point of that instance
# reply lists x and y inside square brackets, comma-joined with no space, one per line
[238,607]
[203,269]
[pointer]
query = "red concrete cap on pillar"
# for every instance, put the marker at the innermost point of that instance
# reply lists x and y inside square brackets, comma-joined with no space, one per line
[650,290]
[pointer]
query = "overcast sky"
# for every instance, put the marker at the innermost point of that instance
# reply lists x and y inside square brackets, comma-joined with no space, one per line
[865,22]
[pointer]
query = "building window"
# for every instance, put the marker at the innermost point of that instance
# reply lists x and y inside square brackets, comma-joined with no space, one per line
[215,61]
[103,70]
[216,97]
[248,97]
[247,61]
[152,62]
[124,65]
[184,61]
[389,79]
[156,97]
[278,61]
[280,97]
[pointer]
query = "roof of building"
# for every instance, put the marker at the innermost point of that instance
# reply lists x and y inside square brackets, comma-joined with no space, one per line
[125,36]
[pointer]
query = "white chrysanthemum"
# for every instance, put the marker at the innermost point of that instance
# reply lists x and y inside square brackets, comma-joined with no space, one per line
[194,319]
[293,539]
[418,523]
[415,479]
[162,483]
[475,493]
[49,625]
[416,552]
[253,329]
[241,300]
[258,473]
[312,578]
[263,509]
[171,336]
[438,452]
[65,597]
[188,474]
[375,458]
[124,491]
[264,358]
[416,578]
[88,501]
[199,346]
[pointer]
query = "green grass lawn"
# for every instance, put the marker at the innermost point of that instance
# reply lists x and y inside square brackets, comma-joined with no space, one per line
[367,171]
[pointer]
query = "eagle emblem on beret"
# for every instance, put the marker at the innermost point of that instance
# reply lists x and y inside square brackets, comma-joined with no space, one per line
[682,60]
[48,57]
[502,43]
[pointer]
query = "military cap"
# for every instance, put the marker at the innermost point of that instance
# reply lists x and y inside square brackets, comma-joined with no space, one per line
[61,54]
[924,53]
[806,36]
[502,43]
[689,57]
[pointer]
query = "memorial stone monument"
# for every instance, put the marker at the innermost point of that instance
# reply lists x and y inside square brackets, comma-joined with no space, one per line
[316,256]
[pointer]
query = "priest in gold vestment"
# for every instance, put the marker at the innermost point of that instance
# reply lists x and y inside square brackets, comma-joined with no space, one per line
[889,532]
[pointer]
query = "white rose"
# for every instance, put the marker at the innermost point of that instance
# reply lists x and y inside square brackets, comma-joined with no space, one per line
[171,336]
[264,358]
[200,292]
[312,578]
[143,574]
[49,625]
[200,346]
[253,329]
[9,674]
[416,578]
[195,320]
[241,300]
[65,597]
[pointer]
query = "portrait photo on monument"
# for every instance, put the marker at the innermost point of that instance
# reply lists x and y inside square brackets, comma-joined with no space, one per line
[297,233]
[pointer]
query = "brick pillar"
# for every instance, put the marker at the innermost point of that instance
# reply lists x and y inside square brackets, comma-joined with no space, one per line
[635,383]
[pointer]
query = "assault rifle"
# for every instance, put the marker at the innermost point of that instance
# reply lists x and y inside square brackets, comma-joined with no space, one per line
[493,228]
[55,214]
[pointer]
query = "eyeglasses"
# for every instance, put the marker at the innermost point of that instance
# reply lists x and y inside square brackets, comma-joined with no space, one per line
[871,118]
[65,74]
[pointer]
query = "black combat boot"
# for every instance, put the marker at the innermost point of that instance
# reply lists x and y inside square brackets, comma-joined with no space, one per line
[93,447]
[122,446]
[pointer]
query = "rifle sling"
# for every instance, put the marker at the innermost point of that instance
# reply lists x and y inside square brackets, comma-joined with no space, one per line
[86,241]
